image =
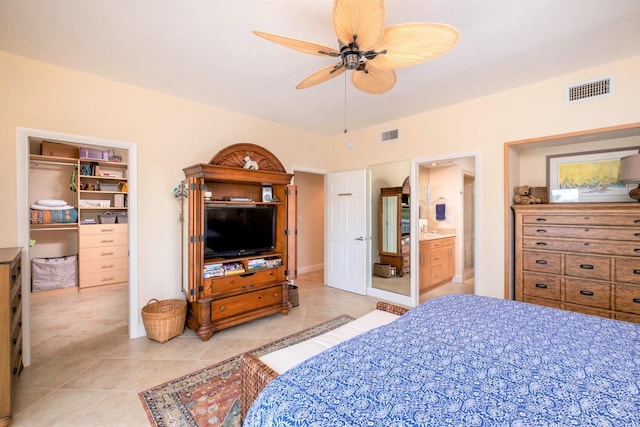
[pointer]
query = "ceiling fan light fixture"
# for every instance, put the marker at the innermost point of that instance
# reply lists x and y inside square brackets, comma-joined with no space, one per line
[352,60]
[369,49]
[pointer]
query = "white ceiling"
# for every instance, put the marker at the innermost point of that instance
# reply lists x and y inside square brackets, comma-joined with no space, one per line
[204,50]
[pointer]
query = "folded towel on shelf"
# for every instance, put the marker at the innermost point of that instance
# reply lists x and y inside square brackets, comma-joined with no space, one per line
[441,212]
[39,207]
[51,202]
[61,215]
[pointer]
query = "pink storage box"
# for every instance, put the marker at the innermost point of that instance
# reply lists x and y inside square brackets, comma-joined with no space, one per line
[93,153]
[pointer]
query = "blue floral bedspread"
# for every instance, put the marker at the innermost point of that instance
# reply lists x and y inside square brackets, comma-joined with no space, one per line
[466,360]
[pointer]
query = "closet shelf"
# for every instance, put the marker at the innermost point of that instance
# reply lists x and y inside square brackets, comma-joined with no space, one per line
[54,227]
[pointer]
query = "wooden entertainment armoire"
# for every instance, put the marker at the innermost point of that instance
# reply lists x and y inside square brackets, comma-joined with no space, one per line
[230,298]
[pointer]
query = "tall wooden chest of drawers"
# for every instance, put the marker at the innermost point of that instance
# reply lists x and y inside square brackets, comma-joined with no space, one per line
[580,257]
[10,327]
[104,254]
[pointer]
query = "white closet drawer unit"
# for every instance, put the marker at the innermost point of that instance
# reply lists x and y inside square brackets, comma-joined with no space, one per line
[100,278]
[103,254]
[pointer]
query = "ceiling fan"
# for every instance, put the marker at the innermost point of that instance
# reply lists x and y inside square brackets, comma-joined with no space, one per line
[368,48]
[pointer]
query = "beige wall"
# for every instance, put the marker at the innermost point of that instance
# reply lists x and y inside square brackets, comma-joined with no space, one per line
[172,133]
[482,126]
[310,221]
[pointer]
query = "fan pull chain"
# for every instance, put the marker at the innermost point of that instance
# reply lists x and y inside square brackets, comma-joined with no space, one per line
[345,102]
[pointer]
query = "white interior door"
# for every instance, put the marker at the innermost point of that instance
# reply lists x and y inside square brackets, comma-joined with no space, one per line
[347,244]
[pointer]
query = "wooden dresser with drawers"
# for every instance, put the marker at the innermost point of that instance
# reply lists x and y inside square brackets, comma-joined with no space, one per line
[581,257]
[10,327]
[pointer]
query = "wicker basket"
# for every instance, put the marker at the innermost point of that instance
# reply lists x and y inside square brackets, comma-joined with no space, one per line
[164,319]
[539,193]
[294,299]
[382,270]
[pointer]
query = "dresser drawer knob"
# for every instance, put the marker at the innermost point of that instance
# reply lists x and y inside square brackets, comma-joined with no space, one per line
[637,221]
[586,293]
[541,230]
[541,286]
[541,219]
[587,230]
[636,271]
[586,266]
[636,300]
[637,250]
[541,244]
[223,308]
[637,234]
[541,261]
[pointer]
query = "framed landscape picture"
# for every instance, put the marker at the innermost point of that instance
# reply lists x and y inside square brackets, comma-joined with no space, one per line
[588,177]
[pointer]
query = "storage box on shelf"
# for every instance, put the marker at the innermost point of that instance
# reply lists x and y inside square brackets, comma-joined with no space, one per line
[56,149]
[580,257]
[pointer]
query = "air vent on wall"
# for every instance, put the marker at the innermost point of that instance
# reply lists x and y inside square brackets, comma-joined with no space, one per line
[589,90]
[390,135]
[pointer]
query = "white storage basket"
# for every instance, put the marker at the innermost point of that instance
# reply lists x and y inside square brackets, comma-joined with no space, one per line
[54,273]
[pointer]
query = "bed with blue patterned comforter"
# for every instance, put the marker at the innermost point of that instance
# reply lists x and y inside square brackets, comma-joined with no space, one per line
[466,360]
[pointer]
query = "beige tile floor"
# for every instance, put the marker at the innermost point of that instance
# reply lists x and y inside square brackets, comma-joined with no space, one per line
[87,372]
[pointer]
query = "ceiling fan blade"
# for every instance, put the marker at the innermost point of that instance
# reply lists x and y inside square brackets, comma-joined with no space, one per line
[322,75]
[363,18]
[301,45]
[411,44]
[374,81]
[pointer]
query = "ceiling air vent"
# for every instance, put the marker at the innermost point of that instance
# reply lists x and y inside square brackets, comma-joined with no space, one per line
[390,135]
[589,90]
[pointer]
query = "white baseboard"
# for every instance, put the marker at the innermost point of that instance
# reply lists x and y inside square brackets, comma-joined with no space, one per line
[311,268]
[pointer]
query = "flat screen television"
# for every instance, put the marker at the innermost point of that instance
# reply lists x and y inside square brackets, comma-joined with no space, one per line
[232,231]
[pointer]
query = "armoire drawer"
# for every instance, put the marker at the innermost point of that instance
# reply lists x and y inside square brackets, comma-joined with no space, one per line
[108,264]
[436,274]
[542,301]
[237,283]
[583,219]
[582,246]
[627,298]
[577,232]
[588,310]
[103,277]
[588,292]
[102,240]
[250,301]
[438,243]
[590,267]
[627,270]
[541,285]
[103,229]
[436,257]
[106,252]
[543,262]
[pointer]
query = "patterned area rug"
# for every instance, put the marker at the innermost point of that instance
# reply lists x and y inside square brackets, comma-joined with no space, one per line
[211,396]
